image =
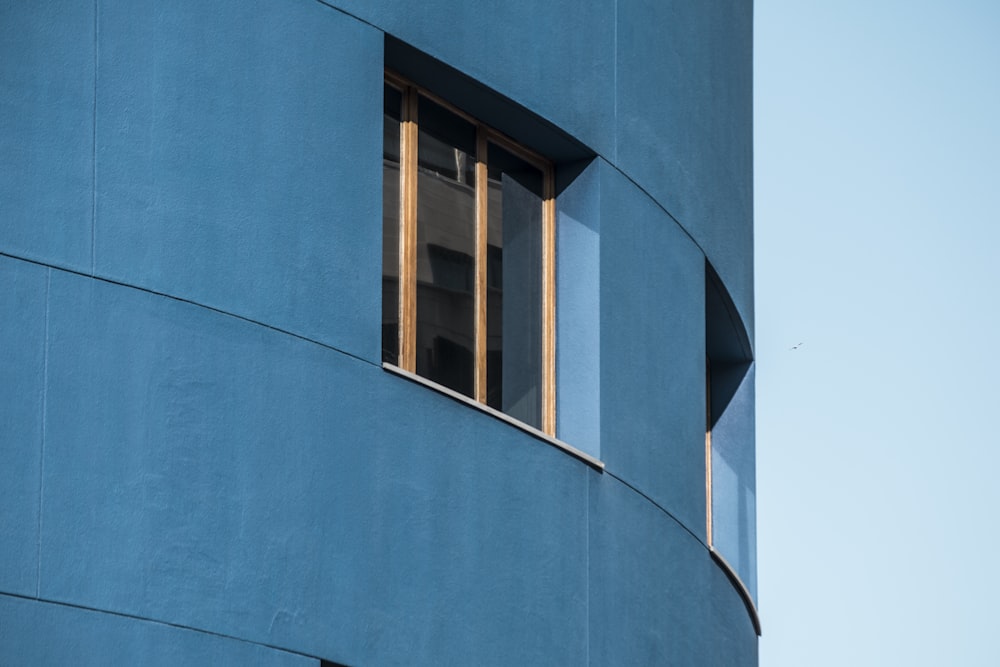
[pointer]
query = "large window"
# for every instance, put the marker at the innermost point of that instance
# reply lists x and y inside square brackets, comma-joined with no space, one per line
[467,268]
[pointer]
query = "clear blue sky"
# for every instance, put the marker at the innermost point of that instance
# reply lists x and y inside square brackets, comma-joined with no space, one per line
[878,248]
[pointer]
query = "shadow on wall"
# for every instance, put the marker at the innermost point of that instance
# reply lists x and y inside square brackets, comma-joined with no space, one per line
[727,346]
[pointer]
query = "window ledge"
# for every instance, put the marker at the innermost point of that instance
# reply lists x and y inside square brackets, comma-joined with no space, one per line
[597,464]
[740,587]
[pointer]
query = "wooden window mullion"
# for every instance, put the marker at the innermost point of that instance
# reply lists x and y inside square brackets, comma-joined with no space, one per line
[548,303]
[482,197]
[408,233]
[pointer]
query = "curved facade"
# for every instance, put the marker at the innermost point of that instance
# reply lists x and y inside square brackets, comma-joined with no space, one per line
[206,460]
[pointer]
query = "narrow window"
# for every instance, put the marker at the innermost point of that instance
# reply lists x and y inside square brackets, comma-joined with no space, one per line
[468,266]
[729,453]
[392,115]
[514,286]
[446,248]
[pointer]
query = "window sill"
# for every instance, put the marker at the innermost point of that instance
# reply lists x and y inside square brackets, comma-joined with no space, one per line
[530,430]
[740,587]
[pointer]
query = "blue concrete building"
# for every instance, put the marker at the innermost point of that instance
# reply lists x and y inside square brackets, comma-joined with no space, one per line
[362,333]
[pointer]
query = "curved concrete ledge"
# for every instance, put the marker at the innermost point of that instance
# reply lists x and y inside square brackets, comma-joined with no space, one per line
[516,423]
[740,587]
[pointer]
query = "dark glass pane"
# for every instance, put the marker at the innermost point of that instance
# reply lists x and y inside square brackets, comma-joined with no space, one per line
[446,221]
[390,225]
[514,287]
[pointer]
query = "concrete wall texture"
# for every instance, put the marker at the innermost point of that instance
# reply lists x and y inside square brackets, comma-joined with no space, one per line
[204,461]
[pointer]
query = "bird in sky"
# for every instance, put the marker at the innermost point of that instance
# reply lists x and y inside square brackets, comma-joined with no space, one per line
[796,346]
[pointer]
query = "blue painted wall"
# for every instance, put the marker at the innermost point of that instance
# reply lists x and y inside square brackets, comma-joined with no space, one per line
[206,462]
[40,633]
[47,79]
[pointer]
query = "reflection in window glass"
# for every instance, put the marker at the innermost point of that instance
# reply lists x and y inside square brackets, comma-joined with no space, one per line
[734,510]
[514,287]
[446,223]
[393,101]
[467,234]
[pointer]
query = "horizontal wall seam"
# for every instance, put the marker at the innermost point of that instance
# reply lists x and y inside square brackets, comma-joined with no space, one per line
[661,508]
[146,619]
[349,14]
[196,304]
[663,208]
[717,559]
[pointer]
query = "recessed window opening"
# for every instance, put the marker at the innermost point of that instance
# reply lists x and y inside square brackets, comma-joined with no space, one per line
[468,267]
[729,452]
[728,358]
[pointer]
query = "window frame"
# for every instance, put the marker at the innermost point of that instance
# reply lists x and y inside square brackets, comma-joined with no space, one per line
[407,255]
